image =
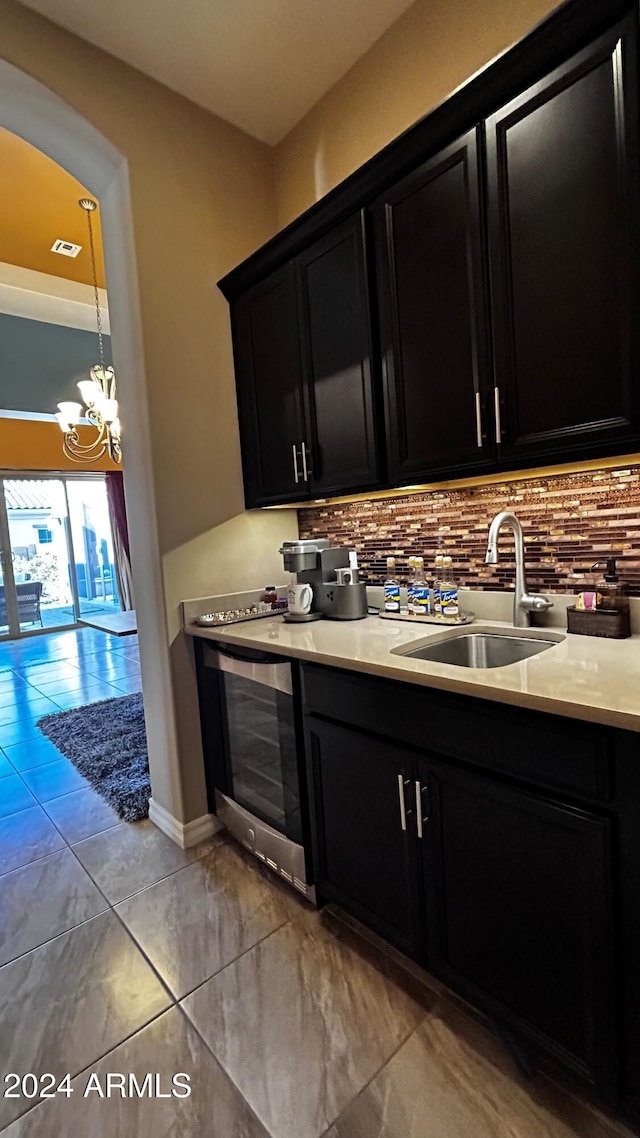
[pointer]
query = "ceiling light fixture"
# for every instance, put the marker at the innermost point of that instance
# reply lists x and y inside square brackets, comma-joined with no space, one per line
[98,393]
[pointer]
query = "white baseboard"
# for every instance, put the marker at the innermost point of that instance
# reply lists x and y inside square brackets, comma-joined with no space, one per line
[184,834]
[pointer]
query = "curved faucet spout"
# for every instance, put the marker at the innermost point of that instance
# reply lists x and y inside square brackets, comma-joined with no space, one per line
[524,602]
[504,519]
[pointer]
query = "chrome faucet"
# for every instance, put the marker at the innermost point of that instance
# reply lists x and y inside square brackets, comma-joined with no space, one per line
[524,602]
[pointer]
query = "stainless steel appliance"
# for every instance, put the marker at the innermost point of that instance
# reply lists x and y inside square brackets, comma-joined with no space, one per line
[255,766]
[337,593]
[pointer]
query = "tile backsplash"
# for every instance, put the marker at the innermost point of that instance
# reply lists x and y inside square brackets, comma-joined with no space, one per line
[569,521]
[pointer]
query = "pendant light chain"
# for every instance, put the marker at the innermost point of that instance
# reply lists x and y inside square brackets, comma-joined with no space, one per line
[95,290]
[98,392]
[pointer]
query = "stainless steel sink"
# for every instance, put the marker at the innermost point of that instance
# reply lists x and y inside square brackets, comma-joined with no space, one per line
[484,648]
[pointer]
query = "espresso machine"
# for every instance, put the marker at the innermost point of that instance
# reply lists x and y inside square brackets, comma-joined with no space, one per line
[337,593]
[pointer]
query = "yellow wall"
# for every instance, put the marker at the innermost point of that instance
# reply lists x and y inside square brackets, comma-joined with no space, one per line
[38,205]
[31,444]
[424,56]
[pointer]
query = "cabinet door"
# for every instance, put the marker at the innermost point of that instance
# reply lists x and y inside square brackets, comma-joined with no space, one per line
[364,846]
[269,389]
[563,227]
[432,317]
[341,449]
[519,892]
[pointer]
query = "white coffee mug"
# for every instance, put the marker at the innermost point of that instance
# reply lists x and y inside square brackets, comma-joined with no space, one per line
[299,598]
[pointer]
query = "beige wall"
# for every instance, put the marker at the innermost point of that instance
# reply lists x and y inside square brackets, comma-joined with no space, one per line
[202,200]
[424,56]
[202,197]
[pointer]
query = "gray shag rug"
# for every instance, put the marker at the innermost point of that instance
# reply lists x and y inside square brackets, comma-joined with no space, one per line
[107,743]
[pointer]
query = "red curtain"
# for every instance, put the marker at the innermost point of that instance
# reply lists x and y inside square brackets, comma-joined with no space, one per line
[115,494]
[120,529]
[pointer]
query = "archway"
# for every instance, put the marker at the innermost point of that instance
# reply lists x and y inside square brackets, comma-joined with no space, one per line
[32,111]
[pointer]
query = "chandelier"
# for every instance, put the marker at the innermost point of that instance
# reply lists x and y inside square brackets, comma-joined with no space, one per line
[98,393]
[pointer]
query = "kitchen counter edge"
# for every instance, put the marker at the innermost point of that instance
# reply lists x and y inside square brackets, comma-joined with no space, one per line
[440,677]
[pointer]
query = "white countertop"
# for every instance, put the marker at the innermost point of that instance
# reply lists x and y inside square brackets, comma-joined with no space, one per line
[582,677]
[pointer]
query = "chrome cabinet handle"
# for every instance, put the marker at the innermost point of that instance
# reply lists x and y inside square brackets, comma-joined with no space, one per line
[496,408]
[296,475]
[420,817]
[305,472]
[402,782]
[478,420]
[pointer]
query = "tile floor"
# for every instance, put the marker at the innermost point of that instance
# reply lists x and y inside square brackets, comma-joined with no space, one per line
[124,955]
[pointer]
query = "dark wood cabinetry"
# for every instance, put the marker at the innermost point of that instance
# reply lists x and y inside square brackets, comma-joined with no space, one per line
[502,238]
[499,881]
[267,354]
[562,201]
[563,220]
[364,801]
[303,369]
[496,846]
[520,901]
[334,301]
[433,317]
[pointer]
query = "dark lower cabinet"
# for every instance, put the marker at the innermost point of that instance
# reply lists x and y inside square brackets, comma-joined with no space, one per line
[500,882]
[519,894]
[365,856]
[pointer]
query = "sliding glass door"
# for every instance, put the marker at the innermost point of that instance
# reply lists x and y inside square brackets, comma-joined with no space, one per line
[92,546]
[56,563]
[37,567]
[8,623]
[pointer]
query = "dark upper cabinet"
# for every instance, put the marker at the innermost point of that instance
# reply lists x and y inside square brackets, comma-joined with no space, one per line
[303,374]
[563,227]
[502,327]
[520,897]
[363,805]
[269,389]
[433,320]
[334,318]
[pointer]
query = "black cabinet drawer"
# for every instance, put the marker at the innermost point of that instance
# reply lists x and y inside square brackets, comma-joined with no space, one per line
[545,750]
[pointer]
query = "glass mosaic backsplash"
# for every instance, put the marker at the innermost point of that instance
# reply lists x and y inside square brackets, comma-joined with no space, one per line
[569,521]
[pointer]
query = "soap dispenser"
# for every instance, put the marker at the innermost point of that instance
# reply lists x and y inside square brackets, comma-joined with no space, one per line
[603,610]
[612,595]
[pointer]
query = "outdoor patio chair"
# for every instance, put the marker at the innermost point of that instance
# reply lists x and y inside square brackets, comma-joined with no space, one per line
[29,594]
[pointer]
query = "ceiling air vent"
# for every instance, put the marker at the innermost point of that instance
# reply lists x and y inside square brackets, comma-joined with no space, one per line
[67,248]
